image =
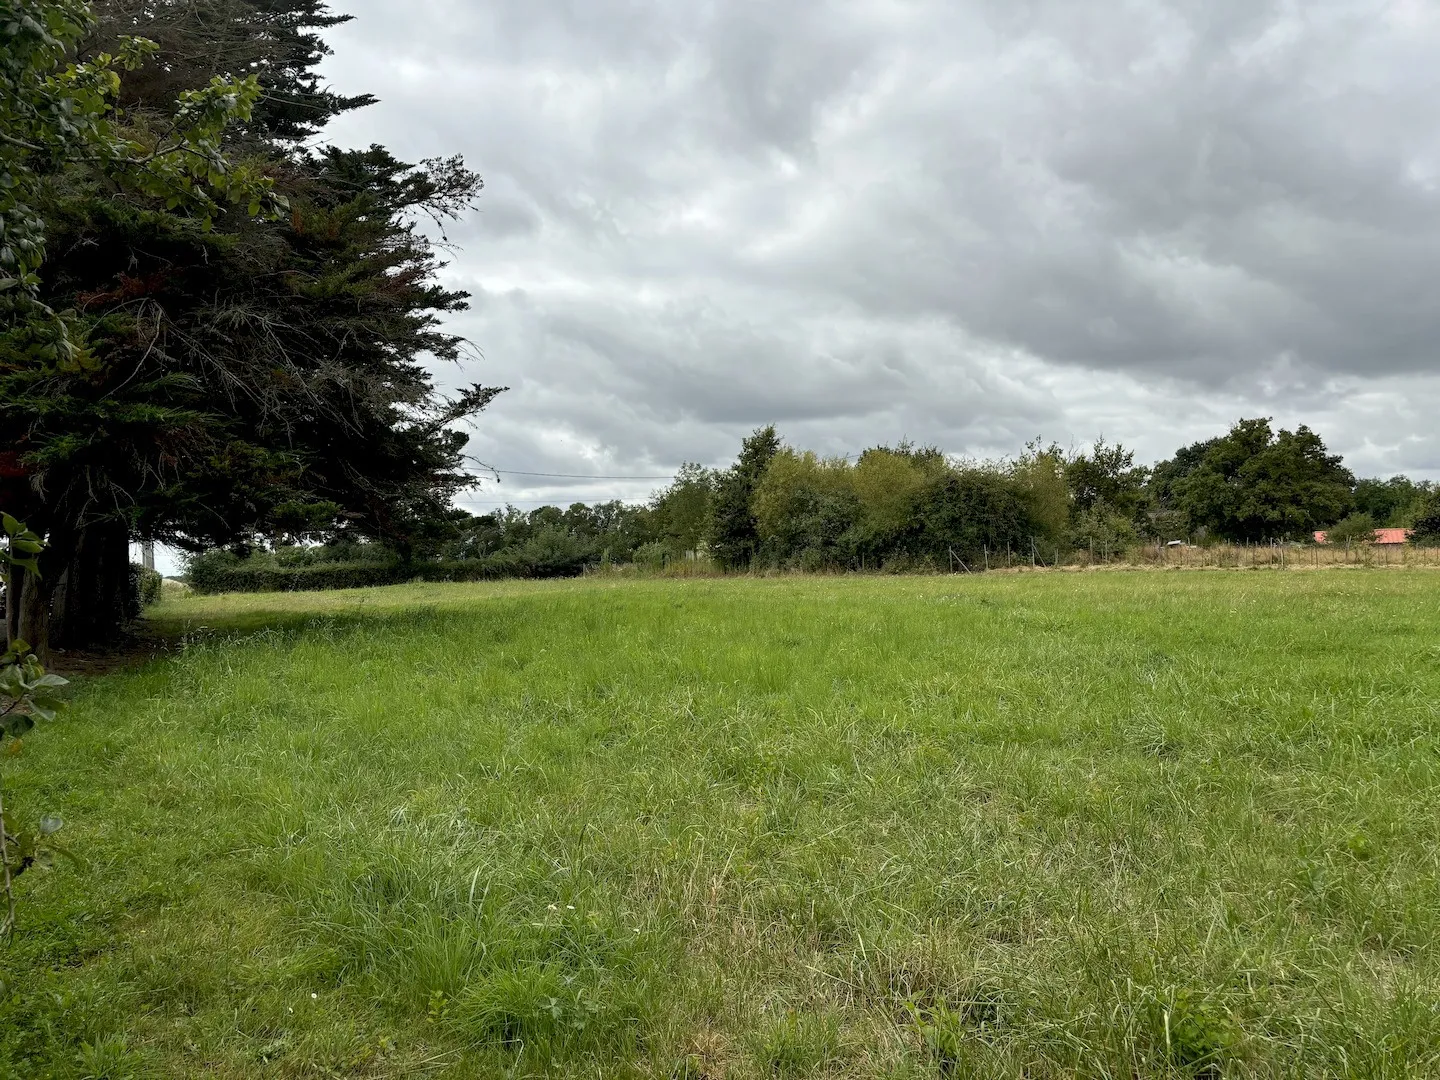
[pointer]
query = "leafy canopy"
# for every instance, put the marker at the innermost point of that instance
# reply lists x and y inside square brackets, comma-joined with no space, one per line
[1256,484]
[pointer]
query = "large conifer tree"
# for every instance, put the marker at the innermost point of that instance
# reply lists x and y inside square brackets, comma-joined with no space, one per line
[259,377]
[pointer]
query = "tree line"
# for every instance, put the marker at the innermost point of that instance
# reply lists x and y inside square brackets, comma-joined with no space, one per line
[904,505]
[215,329]
[896,508]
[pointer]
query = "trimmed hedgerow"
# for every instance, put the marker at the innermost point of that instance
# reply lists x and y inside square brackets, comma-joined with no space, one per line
[212,575]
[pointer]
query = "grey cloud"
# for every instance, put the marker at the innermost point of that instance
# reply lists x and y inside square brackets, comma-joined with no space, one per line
[962,222]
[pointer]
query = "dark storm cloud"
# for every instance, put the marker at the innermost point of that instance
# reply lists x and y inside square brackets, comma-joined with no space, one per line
[961,222]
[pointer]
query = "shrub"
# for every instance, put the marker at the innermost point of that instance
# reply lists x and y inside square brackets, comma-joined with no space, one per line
[144,587]
[1355,529]
[1100,527]
[652,555]
[967,511]
[208,572]
[804,508]
[1427,521]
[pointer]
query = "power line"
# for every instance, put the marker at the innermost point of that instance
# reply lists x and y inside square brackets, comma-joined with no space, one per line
[567,476]
[512,502]
[579,476]
[585,476]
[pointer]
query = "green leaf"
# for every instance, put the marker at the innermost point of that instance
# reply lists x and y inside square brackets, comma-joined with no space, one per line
[45,706]
[12,526]
[65,852]
[16,724]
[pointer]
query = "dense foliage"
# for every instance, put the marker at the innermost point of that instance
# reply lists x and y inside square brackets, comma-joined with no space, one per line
[1254,484]
[733,531]
[1426,520]
[249,342]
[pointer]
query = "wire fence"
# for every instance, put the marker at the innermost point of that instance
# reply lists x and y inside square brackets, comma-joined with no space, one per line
[1213,556]
[1039,555]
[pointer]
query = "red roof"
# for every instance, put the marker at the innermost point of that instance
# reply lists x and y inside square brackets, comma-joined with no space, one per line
[1382,536]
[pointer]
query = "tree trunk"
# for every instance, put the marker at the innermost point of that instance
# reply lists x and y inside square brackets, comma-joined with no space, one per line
[14,581]
[92,601]
[34,628]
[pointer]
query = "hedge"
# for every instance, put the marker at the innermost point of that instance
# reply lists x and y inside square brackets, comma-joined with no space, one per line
[246,576]
[144,588]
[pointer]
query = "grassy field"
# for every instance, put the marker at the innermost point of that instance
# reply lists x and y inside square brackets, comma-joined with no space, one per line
[1046,825]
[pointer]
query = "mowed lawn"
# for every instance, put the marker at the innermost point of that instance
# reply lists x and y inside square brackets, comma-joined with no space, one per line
[1044,825]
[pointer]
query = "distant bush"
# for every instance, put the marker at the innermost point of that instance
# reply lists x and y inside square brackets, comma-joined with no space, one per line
[651,556]
[1100,528]
[1355,529]
[973,510]
[147,585]
[1427,521]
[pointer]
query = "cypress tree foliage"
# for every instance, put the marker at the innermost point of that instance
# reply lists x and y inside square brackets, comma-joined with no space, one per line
[248,378]
[57,119]
[277,41]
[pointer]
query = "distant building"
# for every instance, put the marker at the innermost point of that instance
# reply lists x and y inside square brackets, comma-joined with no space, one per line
[1382,536]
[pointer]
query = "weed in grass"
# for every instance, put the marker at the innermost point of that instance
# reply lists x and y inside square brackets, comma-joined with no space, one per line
[108,1058]
[797,1044]
[1191,1032]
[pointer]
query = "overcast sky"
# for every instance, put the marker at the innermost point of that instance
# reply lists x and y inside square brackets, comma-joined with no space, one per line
[965,222]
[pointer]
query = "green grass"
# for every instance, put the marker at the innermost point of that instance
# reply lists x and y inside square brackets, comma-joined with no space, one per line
[1042,825]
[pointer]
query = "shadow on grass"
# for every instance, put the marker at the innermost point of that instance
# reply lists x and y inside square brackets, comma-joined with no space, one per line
[160,637]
